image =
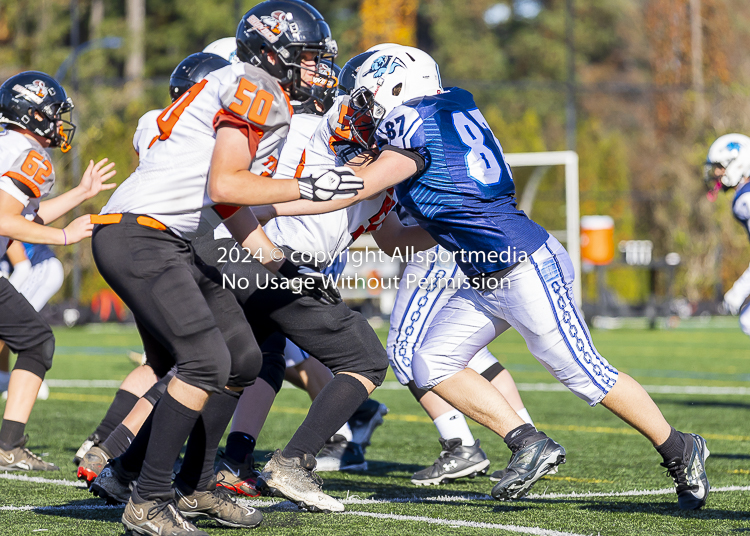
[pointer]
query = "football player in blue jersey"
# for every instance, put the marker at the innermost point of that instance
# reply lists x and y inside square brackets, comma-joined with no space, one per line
[728,168]
[450,174]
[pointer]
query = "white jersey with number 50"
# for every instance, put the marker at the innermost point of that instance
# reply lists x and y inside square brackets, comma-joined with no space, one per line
[170,183]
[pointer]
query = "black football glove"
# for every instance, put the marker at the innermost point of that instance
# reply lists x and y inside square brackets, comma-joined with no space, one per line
[307,282]
[337,183]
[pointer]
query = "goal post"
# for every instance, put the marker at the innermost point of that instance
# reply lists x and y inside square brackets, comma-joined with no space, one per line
[569,159]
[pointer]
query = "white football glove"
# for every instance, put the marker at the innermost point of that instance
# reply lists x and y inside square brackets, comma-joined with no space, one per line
[337,183]
[733,301]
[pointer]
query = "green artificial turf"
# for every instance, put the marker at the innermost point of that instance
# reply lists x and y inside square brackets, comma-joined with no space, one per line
[604,456]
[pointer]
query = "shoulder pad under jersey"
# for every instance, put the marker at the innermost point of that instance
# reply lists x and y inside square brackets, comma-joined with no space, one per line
[253,95]
[30,174]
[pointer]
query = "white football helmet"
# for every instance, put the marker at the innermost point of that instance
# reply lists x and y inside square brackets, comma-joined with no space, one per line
[728,162]
[226,47]
[388,78]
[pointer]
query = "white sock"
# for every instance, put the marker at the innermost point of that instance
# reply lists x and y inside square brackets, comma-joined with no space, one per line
[524,414]
[453,424]
[345,431]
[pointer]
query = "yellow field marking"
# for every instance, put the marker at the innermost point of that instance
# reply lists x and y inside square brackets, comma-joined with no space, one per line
[560,427]
[74,397]
[740,472]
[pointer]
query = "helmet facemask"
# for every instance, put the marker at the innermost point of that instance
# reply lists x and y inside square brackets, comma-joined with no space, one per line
[367,116]
[60,116]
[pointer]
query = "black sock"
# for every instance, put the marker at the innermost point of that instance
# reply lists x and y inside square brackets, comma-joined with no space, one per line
[132,459]
[118,410]
[519,437]
[197,469]
[11,433]
[673,447]
[239,446]
[118,441]
[335,404]
[171,426]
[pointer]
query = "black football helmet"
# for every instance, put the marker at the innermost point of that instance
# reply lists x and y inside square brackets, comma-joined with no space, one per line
[324,89]
[288,28]
[348,76]
[36,102]
[191,70]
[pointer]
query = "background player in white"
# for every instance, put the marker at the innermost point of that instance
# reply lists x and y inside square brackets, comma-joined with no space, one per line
[33,108]
[728,168]
[450,175]
[37,274]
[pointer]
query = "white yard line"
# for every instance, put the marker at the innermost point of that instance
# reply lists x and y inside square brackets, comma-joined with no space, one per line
[471,524]
[395,500]
[395,386]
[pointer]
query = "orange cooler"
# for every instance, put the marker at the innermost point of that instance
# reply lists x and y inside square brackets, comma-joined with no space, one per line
[597,239]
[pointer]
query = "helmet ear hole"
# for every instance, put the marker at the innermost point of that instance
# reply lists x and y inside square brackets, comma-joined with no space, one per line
[397,89]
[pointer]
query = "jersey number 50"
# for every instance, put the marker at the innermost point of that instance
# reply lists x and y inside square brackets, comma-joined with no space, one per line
[483,166]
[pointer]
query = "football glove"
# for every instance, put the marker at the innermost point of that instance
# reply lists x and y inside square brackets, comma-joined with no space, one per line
[337,183]
[733,301]
[307,282]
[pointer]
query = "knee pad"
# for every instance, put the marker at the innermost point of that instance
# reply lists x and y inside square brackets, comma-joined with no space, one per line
[416,391]
[274,363]
[37,359]
[493,371]
[157,390]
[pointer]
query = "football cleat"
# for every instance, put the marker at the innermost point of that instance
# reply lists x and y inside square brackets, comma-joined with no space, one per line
[238,478]
[455,461]
[295,479]
[689,473]
[217,505]
[156,518]
[338,454]
[92,440]
[527,465]
[93,463]
[365,420]
[113,483]
[19,458]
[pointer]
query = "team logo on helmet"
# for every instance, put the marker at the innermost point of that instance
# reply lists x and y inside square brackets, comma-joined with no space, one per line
[383,64]
[277,21]
[35,92]
[733,146]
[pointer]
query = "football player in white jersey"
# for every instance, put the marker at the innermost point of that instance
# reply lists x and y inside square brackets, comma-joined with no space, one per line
[450,175]
[33,108]
[728,168]
[200,171]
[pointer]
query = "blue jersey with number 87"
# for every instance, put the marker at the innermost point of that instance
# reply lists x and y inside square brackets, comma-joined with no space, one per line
[465,196]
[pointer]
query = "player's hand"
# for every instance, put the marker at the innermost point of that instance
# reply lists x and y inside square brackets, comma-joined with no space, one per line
[307,282]
[95,177]
[733,301]
[79,229]
[337,183]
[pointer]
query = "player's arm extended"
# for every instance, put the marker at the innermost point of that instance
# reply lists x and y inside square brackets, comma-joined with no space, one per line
[247,231]
[16,226]
[389,169]
[231,182]
[21,264]
[394,235]
[92,182]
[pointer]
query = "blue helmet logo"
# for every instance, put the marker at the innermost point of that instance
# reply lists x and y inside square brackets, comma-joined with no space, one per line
[733,146]
[381,65]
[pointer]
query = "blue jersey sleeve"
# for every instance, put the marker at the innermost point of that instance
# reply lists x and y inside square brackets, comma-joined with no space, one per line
[403,128]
